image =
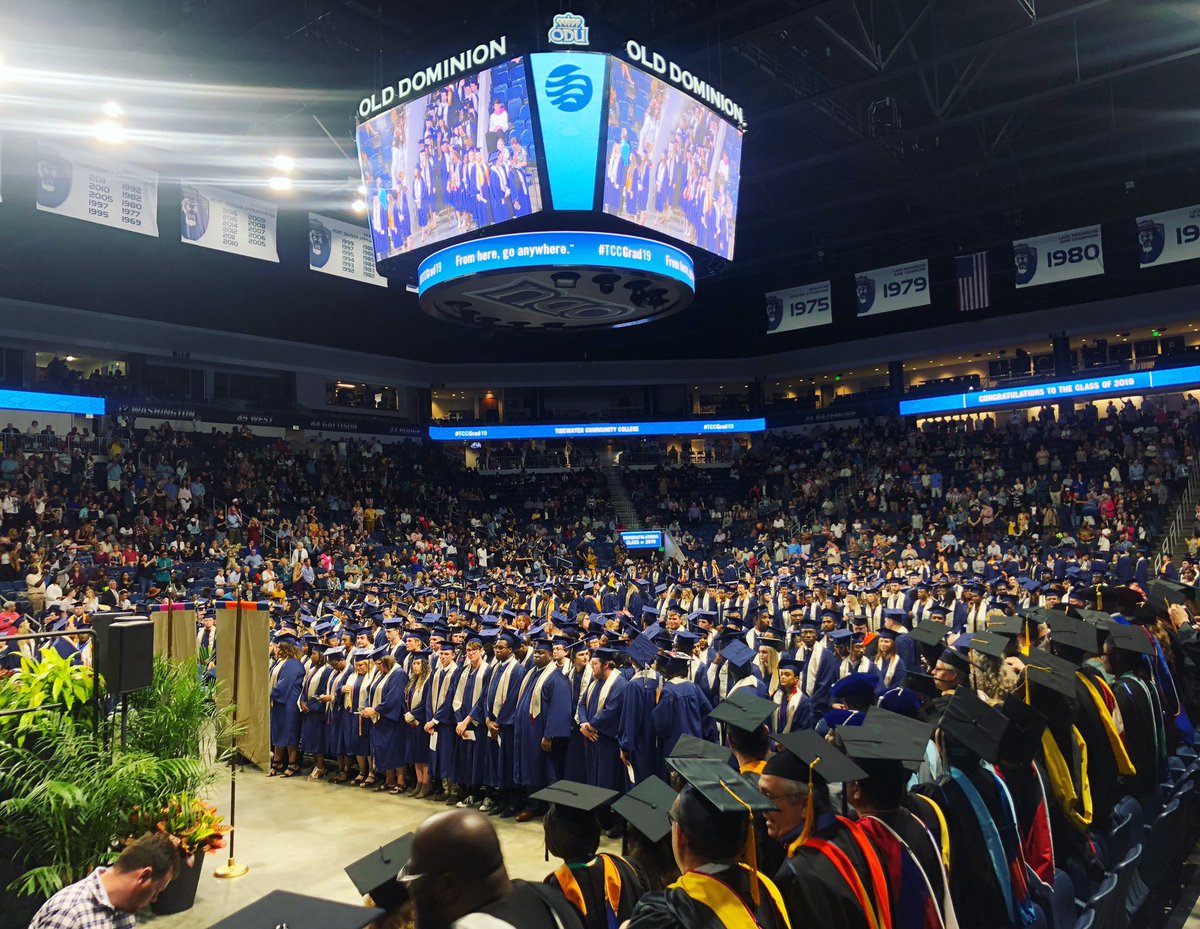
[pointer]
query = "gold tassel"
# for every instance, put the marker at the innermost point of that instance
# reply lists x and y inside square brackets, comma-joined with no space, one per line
[750,849]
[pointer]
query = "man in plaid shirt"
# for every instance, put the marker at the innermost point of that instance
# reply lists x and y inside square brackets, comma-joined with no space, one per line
[108,898]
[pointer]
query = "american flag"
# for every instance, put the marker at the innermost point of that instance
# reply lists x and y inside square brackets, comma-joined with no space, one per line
[972,274]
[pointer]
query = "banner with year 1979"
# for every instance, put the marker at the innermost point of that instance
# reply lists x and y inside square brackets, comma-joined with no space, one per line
[886,290]
[342,249]
[228,222]
[1167,237]
[1059,256]
[96,188]
[799,307]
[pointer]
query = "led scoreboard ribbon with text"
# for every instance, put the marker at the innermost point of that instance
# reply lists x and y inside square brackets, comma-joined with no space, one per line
[596,430]
[1134,382]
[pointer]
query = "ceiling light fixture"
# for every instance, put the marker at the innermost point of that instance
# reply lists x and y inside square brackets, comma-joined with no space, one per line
[280,183]
[284,163]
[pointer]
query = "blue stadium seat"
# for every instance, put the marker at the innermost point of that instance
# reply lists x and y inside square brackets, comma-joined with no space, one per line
[1115,844]
[515,101]
[1103,903]
[524,114]
[1159,847]
[1086,920]
[1063,910]
[1126,871]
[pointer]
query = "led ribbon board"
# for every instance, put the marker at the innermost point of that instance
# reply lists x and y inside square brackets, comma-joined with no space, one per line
[557,280]
[596,430]
[51,403]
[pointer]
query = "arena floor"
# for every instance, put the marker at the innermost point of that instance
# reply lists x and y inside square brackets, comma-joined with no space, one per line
[298,835]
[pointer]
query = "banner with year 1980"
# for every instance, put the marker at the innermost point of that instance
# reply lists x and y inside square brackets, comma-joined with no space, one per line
[1059,256]
[96,188]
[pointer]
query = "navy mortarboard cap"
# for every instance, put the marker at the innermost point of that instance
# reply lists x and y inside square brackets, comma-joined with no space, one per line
[296,911]
[675,664]
[649,611]
[575,796]
[841,636]
[381,652]
[334,654]
[604,654]
[902,701]
[770,640]
[929,632]
[375,874]
[889,634]
[973,724]
[808,754]
[719,786]
[642,650]
[689,746]
[647,807]
[59,625]
[939,610]
[896,615]
[791,664]
[686,640]
[743,710]
[830,614]
[362,654]
[738,653]
[420,653]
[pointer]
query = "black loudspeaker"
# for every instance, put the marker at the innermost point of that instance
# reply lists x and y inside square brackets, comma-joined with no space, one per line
[125,655]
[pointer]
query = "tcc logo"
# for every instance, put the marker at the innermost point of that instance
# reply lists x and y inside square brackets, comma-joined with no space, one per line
[568,29]
[568,88]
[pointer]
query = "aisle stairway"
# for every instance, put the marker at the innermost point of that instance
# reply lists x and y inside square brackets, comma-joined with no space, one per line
[627,517]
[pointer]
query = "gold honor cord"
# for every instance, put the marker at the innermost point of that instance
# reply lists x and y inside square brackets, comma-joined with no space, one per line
[750,849]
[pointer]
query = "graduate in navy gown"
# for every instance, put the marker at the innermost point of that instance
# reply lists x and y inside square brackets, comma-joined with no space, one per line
[500,699]
[544,714]
[681,708]
[639,741]
[601,713]
[467,705]
[335,744]
[385,713]
[417,747]
[286,679]
[356,738]
[519,187]
[312,705]
[439,723]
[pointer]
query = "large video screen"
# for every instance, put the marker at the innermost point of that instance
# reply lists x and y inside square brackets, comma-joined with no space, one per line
[455,160]
[671,164]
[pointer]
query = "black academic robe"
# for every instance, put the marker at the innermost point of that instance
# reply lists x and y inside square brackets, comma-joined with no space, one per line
[815,892]
[590,881]
[674,909]
[1103,775]
[533,906]
[1141,734]
[921,843]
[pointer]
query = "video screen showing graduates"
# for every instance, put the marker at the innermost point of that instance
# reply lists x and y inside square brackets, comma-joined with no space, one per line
[671,163]
[455,160]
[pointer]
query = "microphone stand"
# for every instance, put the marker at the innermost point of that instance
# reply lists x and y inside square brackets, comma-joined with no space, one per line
[232,869]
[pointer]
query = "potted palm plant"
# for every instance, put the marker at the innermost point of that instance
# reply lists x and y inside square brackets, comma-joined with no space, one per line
[196,829]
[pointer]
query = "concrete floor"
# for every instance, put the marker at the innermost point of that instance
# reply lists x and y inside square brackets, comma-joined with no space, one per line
[298,835]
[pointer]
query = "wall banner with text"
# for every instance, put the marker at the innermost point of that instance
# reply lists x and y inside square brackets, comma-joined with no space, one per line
[799,307]
[1167,237]
[342,249]
[886,290]
[228,222]
[1059,256]
[96,188]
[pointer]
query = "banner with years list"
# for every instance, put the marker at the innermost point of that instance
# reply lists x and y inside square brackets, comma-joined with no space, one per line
[799,307]
[228,222]
[1059,256]
[342,250]
[96,188]
[886,290]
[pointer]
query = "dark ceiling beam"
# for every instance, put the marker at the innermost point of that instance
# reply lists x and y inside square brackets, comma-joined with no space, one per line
[907,135]
[854,51]
[905,40]
[888,74]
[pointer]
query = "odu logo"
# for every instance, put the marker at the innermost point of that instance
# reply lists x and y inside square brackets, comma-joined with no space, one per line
[568,29]
[568,88]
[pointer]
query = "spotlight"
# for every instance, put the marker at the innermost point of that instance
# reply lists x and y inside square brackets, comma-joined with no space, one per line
[108,131]
[112,109]
[284,163]
[359,205]
[280,183]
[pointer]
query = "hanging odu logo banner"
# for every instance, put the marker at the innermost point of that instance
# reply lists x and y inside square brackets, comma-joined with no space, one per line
[568,29]
[886,290]
[1167,237]
[1059,256]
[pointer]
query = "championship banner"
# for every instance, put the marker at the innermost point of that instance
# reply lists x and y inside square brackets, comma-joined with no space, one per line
[228,222]
[1059,256]
[342,250]
[175,630]
[243,676]
[886,290]
[1167,237]
[97,189]
[799,308]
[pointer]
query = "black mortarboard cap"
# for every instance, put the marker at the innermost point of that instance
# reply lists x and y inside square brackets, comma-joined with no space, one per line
[1074,633]
[646,807]
[296,911]
[1005,625]
[973,724]
[1163,592]
[806,752]
[375,874]
[721,786]
[989,643]
[743,710]
[575,796]
[689,746]
[928,632]
[887,736]
[1050,671]
[1131,639]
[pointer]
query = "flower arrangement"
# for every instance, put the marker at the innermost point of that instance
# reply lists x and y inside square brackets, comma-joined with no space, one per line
[192,825]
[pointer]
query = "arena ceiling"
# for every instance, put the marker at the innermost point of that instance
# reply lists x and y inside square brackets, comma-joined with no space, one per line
[878,131]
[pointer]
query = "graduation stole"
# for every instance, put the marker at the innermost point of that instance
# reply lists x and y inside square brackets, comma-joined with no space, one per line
[535,701]
[612,887]
[1063,785]
[1116,743]
[731,911]
[604,689]
[943,830]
